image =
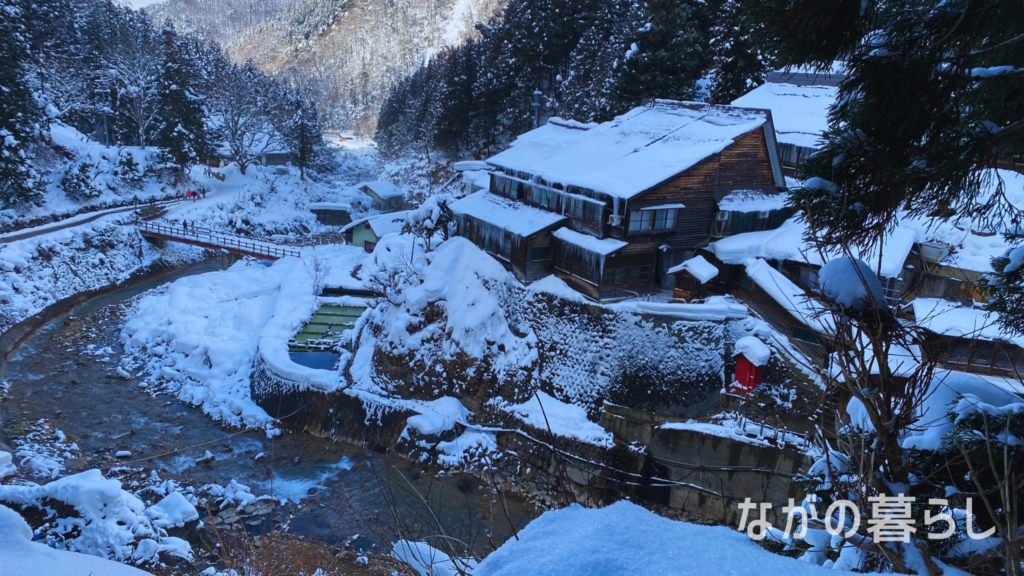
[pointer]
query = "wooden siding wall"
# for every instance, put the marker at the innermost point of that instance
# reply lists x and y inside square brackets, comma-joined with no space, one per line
[744,163]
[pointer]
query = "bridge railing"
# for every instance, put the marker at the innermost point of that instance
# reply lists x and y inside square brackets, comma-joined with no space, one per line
[219,239]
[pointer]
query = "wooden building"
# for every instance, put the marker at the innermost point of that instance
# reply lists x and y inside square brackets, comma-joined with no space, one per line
[332,213]
[800,99]
[367,232]
[385,196]
[692,277]
[627,199]
[970,339]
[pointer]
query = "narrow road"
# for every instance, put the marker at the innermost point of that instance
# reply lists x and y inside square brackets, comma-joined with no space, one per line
[73,221]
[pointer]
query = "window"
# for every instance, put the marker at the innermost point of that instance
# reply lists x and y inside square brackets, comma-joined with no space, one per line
[560,258]
[614,276]
[959,352]
[589,210]
[639,274]
[513,189]
[1006,354]
[585,270]
[540,254]
[652,220]
[809,279]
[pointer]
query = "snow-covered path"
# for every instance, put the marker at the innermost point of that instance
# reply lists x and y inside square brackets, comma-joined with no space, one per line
[69,222]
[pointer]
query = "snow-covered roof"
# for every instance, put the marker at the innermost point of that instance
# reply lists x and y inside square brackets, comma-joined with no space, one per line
[953,319]
[388,223]
[698,267]
[465,165]
[800,306]
[602,247]
[382,188]
[800,113]
[803,74]
[330,206]
[752,201]
[972,250]
[787,243]
[633,152]
[516,217]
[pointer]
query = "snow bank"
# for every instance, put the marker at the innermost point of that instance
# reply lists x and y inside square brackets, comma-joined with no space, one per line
[20,555]
[429,561]
[625,539]
[110,520]
[453,303]
[7,466]
[753,350]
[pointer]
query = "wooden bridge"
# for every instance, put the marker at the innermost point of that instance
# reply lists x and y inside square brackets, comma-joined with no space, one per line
[212,240]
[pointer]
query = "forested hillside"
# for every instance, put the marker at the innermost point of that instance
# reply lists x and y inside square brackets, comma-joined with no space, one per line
[107,72]
[589,59]
[343,54]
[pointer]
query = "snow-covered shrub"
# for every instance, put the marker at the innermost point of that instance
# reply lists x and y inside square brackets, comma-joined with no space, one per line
[77,182]
[128,169]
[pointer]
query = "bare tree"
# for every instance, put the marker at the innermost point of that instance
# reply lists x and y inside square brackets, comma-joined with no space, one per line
[318,268]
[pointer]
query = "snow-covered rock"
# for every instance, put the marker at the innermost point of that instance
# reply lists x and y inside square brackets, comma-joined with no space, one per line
[110,520]
[20,555]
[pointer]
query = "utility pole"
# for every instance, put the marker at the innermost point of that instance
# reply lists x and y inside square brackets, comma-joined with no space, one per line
[536,108]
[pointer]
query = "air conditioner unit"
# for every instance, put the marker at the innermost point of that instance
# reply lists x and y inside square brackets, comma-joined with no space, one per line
[615,220]
[762,214]
[722,215]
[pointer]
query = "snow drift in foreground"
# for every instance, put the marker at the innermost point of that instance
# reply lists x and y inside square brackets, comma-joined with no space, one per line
[19,555]
[626,539]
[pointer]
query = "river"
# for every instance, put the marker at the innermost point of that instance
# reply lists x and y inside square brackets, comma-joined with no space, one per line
[64,374]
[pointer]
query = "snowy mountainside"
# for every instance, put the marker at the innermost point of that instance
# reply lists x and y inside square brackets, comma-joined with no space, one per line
[345,54]
[80,173]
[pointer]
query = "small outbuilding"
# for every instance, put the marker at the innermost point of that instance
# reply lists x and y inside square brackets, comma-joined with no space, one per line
[332,213]
[691,278]
[367,232]
[386,196]
[751,356]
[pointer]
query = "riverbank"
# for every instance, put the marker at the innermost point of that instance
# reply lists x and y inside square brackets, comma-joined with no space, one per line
[68,409]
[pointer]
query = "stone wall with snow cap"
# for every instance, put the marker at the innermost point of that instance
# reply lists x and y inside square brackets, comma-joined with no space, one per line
[589,354]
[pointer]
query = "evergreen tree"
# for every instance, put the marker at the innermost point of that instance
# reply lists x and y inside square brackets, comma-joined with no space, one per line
[738,62]
[932,98]
[180,122]
[18,112]
[666,56]
[303,133]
